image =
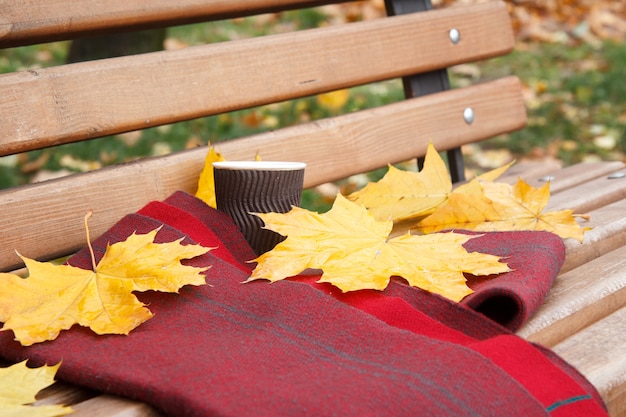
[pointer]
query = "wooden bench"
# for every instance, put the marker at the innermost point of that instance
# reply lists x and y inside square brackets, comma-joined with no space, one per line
[583,318]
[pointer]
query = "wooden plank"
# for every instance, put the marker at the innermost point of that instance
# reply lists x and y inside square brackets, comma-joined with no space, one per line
[90,99]
[599,353]
[54,209]
[608,233]
[574,175]
[332,148]
[579,298]
[536,173]
[528,171]
[62,393]
[25,22]
[358,142]
[591,195]
[111,406]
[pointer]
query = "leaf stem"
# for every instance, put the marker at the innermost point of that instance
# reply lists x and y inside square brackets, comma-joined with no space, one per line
[93,257]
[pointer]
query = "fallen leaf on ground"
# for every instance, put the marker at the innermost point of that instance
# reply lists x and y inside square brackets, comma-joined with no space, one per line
[18,387]
[401,195]
[55,297]
[491,206]
[353,250]
[334,100]
[206,183]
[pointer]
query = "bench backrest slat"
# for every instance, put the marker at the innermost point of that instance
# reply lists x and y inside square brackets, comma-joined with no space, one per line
[25,22]
[98,98]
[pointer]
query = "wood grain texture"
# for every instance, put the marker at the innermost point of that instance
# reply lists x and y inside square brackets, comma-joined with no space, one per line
[85,100]
[608,233]
[598,353]
[62,393]
[529,171]
[357,142]
[25,22]
[561,178]
[112,406]
[44,221]
[591,195]
[579,298]
[332,148]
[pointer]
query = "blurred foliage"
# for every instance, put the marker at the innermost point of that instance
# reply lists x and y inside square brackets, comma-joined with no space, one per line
[576,102]
[570,58]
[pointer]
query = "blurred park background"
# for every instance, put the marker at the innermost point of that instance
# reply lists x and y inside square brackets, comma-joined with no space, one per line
[570,56]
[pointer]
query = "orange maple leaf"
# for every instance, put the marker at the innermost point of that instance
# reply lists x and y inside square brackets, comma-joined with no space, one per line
[55,297]
[491,206]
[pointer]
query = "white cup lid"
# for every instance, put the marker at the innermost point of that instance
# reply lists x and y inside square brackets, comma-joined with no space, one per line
[260,165]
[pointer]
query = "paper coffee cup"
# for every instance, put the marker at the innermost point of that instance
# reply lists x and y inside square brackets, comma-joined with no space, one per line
[246,187]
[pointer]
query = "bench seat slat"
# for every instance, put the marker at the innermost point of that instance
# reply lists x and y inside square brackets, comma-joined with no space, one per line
[360,141]
[598,353]
[608,233]
[112,406]
[63,393]
[81,101]
[562,178]
[529,171]
[65,19]
[591,195]
[579,298]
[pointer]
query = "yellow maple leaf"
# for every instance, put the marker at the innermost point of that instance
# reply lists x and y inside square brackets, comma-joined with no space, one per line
[354,252]
[402,195]
[206,183]
[491,206]
[55,297]
[474,186]
[18,387]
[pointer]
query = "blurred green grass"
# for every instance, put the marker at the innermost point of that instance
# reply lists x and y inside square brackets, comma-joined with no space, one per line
[576,97]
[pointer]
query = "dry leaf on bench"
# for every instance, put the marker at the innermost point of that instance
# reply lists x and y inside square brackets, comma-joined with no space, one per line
[55,297]
[490,206]
[206,183]
[18,387]
[353,250]
[401,195]
[474,186]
